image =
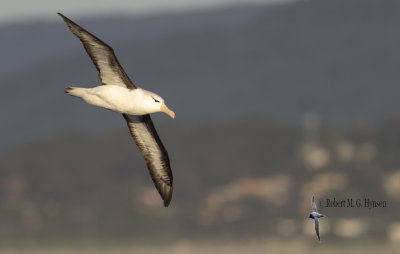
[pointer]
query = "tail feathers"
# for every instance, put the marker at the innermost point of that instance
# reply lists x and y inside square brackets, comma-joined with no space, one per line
[74,91]
[68,89]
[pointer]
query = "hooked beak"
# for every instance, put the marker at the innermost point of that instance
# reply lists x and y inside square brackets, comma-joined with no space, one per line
[167,111]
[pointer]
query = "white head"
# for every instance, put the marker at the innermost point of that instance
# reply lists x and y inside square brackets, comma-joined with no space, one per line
[154,103]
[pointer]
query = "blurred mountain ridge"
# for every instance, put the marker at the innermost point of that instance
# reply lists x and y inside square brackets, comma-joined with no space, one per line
[229,180]
[337,59]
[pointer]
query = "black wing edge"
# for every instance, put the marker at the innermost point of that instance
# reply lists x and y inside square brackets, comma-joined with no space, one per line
[76,29]
[163,184]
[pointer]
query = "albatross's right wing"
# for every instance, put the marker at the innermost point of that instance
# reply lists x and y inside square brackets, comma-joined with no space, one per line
[156,156]
[102,55]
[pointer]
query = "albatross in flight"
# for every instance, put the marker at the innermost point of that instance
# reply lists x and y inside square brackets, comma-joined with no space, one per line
[118,93]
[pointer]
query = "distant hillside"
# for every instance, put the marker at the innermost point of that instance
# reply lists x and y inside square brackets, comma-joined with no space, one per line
[337,58]
[244,178]
[28,43]
[37,64]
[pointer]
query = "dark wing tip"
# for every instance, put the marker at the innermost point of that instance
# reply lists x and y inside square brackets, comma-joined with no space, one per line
[71,24]
[164,188]
[167,195]
[163,184]
[62,16]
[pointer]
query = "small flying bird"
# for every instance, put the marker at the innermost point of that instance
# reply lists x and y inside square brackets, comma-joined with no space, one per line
[118,93]
[315,216]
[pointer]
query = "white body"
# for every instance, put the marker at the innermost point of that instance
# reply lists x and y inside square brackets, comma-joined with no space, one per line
[314,215]
[120,99]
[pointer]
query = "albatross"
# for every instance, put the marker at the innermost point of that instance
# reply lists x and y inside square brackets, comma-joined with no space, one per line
[118,93]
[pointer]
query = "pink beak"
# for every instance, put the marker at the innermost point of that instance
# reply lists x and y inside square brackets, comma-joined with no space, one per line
[167,111]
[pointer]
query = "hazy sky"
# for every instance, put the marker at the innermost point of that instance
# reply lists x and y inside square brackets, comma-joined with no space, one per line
[25,10]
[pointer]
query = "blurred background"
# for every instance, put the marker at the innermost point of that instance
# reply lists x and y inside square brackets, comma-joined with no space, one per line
[274,101]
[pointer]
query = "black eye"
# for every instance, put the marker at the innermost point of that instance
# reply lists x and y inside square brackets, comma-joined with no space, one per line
[155,99]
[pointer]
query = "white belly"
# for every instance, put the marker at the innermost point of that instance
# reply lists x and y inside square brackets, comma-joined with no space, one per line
[116,98]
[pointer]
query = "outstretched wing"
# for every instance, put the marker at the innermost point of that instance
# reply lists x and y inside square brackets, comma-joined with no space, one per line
[314,207]
[156,156]
[317,228]
[103,57]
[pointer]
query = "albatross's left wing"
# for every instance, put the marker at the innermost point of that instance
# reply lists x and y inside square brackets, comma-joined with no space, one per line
[156,156]
[102,55]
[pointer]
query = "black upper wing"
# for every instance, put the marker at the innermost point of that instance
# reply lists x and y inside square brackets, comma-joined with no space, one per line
[102,55]
[156,156]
